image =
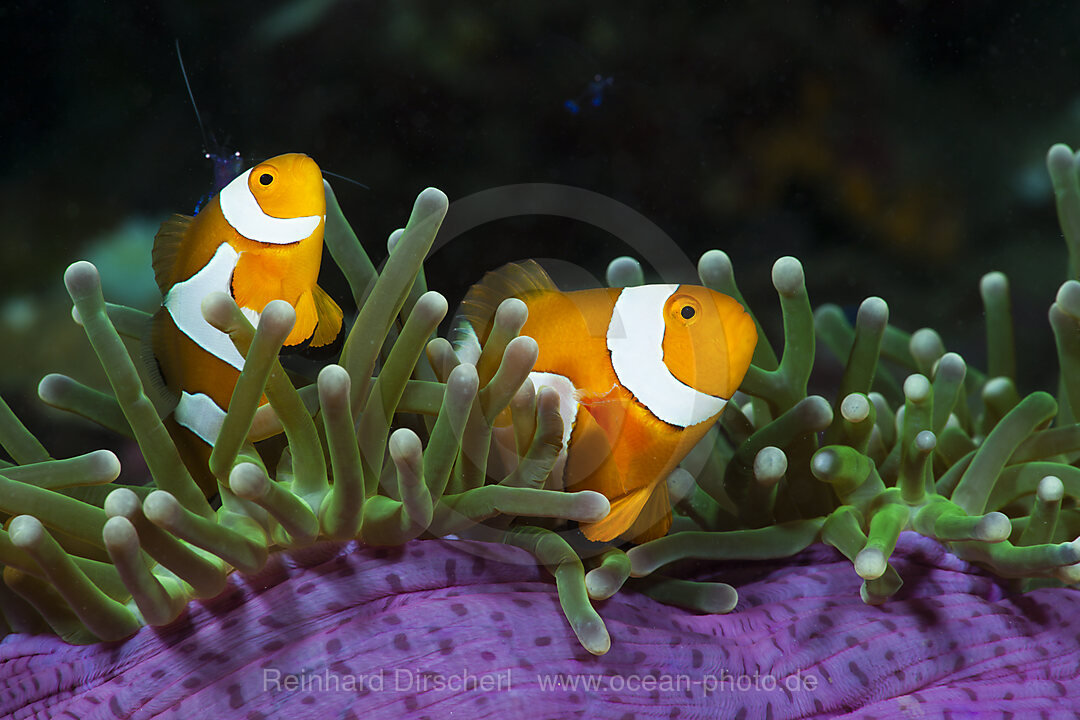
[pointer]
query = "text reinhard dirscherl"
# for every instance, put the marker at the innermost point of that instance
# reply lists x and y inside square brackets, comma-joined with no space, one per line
[413,681]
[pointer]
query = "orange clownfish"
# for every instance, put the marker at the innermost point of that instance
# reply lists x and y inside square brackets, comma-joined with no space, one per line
[642,373]
[260,239]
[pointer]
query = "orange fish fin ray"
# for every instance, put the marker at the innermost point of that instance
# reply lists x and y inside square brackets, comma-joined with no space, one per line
[307,319]
[167,243]
[654,520]
[609,409]
[483,299]
[590,461]
[329,318]
[625,511]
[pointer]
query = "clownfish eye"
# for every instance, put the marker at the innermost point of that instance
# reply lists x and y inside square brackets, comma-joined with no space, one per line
[683,308]
[266,179]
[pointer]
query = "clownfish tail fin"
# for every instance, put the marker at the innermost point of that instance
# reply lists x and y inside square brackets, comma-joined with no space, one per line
[511,280]
[167,245]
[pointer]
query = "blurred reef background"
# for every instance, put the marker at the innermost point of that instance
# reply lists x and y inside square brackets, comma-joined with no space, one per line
[896,148]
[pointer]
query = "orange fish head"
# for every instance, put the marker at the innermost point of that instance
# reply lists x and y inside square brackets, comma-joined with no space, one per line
[709,339]
[288,186]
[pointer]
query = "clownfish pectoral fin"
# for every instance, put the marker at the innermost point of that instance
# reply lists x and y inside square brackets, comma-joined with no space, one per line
[511,280]
[167,244]
[317,317]
[590,460]
[255,282]
[329,318]
[307,318]
[610,410]
[629,514]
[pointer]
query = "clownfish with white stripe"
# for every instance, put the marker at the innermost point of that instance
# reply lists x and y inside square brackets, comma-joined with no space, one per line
[260,239]
[642,373]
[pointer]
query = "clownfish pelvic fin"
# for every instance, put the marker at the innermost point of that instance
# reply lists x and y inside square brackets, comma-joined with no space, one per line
[638,513]
[639,516]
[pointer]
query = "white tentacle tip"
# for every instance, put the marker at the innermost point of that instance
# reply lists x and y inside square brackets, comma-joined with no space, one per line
[1068,298]
[787,276]
[916,388]
[715,268]
[161,508]
[873,314]
[870,563]
[104,465]
[993,284]
[334,380]
[770,464]
[119,535]
[592,506]
[82,280]
[121,502]
[1051,489]
[1060,159]
[599,584]
[855,408]
[624,271]
[248,481]
[26,532]
[993,527]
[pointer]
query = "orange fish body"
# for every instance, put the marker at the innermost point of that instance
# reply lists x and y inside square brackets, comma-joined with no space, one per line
[259,240]
[642,374]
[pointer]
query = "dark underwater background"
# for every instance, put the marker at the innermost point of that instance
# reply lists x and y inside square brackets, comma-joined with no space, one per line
[896,148]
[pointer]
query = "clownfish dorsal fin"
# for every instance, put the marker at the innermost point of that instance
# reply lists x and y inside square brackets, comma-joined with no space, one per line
[511,280]
[167,244]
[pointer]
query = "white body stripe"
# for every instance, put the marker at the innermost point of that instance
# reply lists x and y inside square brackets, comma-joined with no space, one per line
[568,409]
[568,399]
[242,211]
[635,339]
[184,303]
[201,415]
[505,457]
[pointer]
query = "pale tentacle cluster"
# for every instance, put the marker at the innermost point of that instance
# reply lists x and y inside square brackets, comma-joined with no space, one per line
[393,444]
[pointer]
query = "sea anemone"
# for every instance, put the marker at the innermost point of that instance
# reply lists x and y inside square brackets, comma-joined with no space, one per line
[390,447]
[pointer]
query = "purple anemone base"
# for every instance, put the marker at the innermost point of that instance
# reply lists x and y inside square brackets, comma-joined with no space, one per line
[442,628]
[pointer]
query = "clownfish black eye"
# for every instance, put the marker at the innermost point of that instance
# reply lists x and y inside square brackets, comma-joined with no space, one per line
[266,178]
[687,312]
